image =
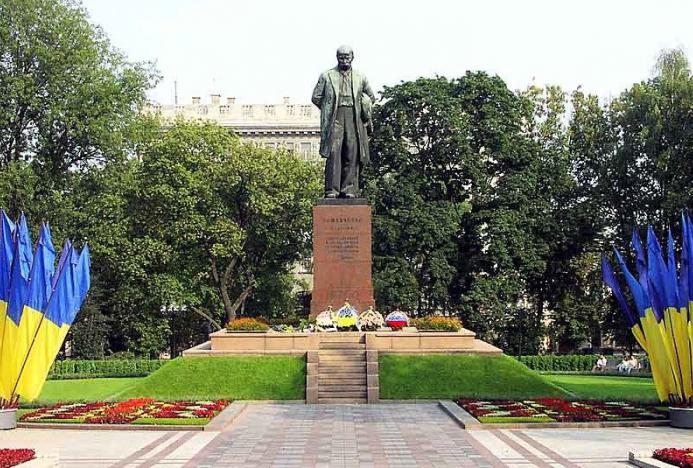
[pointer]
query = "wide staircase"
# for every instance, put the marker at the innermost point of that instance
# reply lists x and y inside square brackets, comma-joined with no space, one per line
[342,369]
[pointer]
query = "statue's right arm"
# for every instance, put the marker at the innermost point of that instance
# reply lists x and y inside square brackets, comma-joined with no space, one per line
[319,92]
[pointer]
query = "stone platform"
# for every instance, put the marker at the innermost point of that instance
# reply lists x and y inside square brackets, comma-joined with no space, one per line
[224,343]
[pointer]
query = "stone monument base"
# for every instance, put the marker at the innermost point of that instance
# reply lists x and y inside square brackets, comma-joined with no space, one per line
[342,259]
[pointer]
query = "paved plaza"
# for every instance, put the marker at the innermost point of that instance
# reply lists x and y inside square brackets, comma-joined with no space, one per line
[396,435]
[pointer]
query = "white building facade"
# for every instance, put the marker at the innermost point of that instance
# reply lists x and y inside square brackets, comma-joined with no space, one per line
[295,127]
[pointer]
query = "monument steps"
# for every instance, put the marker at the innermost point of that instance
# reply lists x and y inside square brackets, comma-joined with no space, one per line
[343,401]
[342,370]
[343,394]
[341,345]
[342,352]
[342,376]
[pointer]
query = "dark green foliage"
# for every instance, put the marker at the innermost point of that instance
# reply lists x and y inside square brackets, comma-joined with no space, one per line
[570,362]
[85,369]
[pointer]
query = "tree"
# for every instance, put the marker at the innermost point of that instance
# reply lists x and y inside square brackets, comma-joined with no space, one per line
[223,214]
[67,97]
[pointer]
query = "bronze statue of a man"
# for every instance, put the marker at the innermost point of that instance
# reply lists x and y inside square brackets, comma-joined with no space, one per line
[345,99]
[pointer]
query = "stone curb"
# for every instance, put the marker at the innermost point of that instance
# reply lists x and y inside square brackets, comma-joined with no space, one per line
[469,422]
[460,416]
[644,460]
[109,427]
[226,417]
[41,461]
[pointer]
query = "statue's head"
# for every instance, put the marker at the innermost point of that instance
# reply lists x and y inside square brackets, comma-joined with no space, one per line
[345,55]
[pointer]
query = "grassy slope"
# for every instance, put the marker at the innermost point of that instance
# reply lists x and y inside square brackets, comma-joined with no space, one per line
[84,389]
[248,378]
[451,376]
[606,387]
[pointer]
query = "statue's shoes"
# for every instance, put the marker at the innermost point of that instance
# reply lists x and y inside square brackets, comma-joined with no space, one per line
[330,195]
[349,195]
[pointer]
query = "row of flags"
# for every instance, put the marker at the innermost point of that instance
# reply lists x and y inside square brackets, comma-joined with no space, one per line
[662,322]
[39,301]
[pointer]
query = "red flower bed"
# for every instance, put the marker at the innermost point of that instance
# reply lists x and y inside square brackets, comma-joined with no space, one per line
[676,457]
[561,410]
[13,457]
[125,412]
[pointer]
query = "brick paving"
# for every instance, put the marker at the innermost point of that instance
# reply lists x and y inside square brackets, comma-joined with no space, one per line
[385,435]
[344,436]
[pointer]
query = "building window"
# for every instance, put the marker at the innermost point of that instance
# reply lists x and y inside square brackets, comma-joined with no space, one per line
[291,110]
[223,109]
[289,145]
[269,110]
[271,144]
[306,111]
[247,110]
[305,150]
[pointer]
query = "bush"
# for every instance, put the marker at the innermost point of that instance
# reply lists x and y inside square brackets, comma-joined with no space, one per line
[83,369]
[567,363]
[247,324]
[437,323]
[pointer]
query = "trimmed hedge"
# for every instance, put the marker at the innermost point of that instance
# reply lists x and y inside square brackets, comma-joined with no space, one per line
[83,369]
[568,362]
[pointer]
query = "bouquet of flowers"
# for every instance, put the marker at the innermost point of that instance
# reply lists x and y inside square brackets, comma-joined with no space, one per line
[370,320]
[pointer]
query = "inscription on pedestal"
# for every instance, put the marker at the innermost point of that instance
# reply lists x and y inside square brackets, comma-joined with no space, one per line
[341,257]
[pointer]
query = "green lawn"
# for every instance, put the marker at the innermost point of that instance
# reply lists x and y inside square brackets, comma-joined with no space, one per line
[454,375]
[606,387]
[84,390]
[238,378]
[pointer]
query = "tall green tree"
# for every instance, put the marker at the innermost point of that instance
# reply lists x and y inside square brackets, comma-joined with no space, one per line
[68,98]
[223,214]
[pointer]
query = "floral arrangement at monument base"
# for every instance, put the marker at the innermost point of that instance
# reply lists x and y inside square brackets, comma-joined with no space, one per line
[247,324]
[14,457]
[437,323]
[370,320]
[347,316]
[326,320]
[397,319]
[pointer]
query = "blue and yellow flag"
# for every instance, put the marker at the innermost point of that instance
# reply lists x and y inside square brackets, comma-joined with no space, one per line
[663,301]
[19,288]
[70,291]
[7,228]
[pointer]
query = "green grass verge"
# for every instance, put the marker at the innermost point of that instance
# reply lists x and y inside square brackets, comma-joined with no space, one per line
[55,391]
[455,375]
[597,387]
[172,421]
[515,419]
[238,378]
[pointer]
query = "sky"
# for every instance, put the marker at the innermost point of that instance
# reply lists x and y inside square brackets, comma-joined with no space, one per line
[262,50]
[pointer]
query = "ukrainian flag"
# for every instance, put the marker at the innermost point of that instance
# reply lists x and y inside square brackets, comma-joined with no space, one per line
[664,303]
[19,288]
[7,228]
[40,281]
[71,288]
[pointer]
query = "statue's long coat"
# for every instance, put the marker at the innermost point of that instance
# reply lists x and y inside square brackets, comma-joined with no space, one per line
[326,97]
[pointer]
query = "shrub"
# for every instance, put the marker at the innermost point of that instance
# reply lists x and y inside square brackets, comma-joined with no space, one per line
[437,323]
[85,369]
[247,324]
[567,363]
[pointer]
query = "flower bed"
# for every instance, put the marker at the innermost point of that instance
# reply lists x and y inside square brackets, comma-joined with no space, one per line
[676,457]
[13,457]
[557,410]
[133,411]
